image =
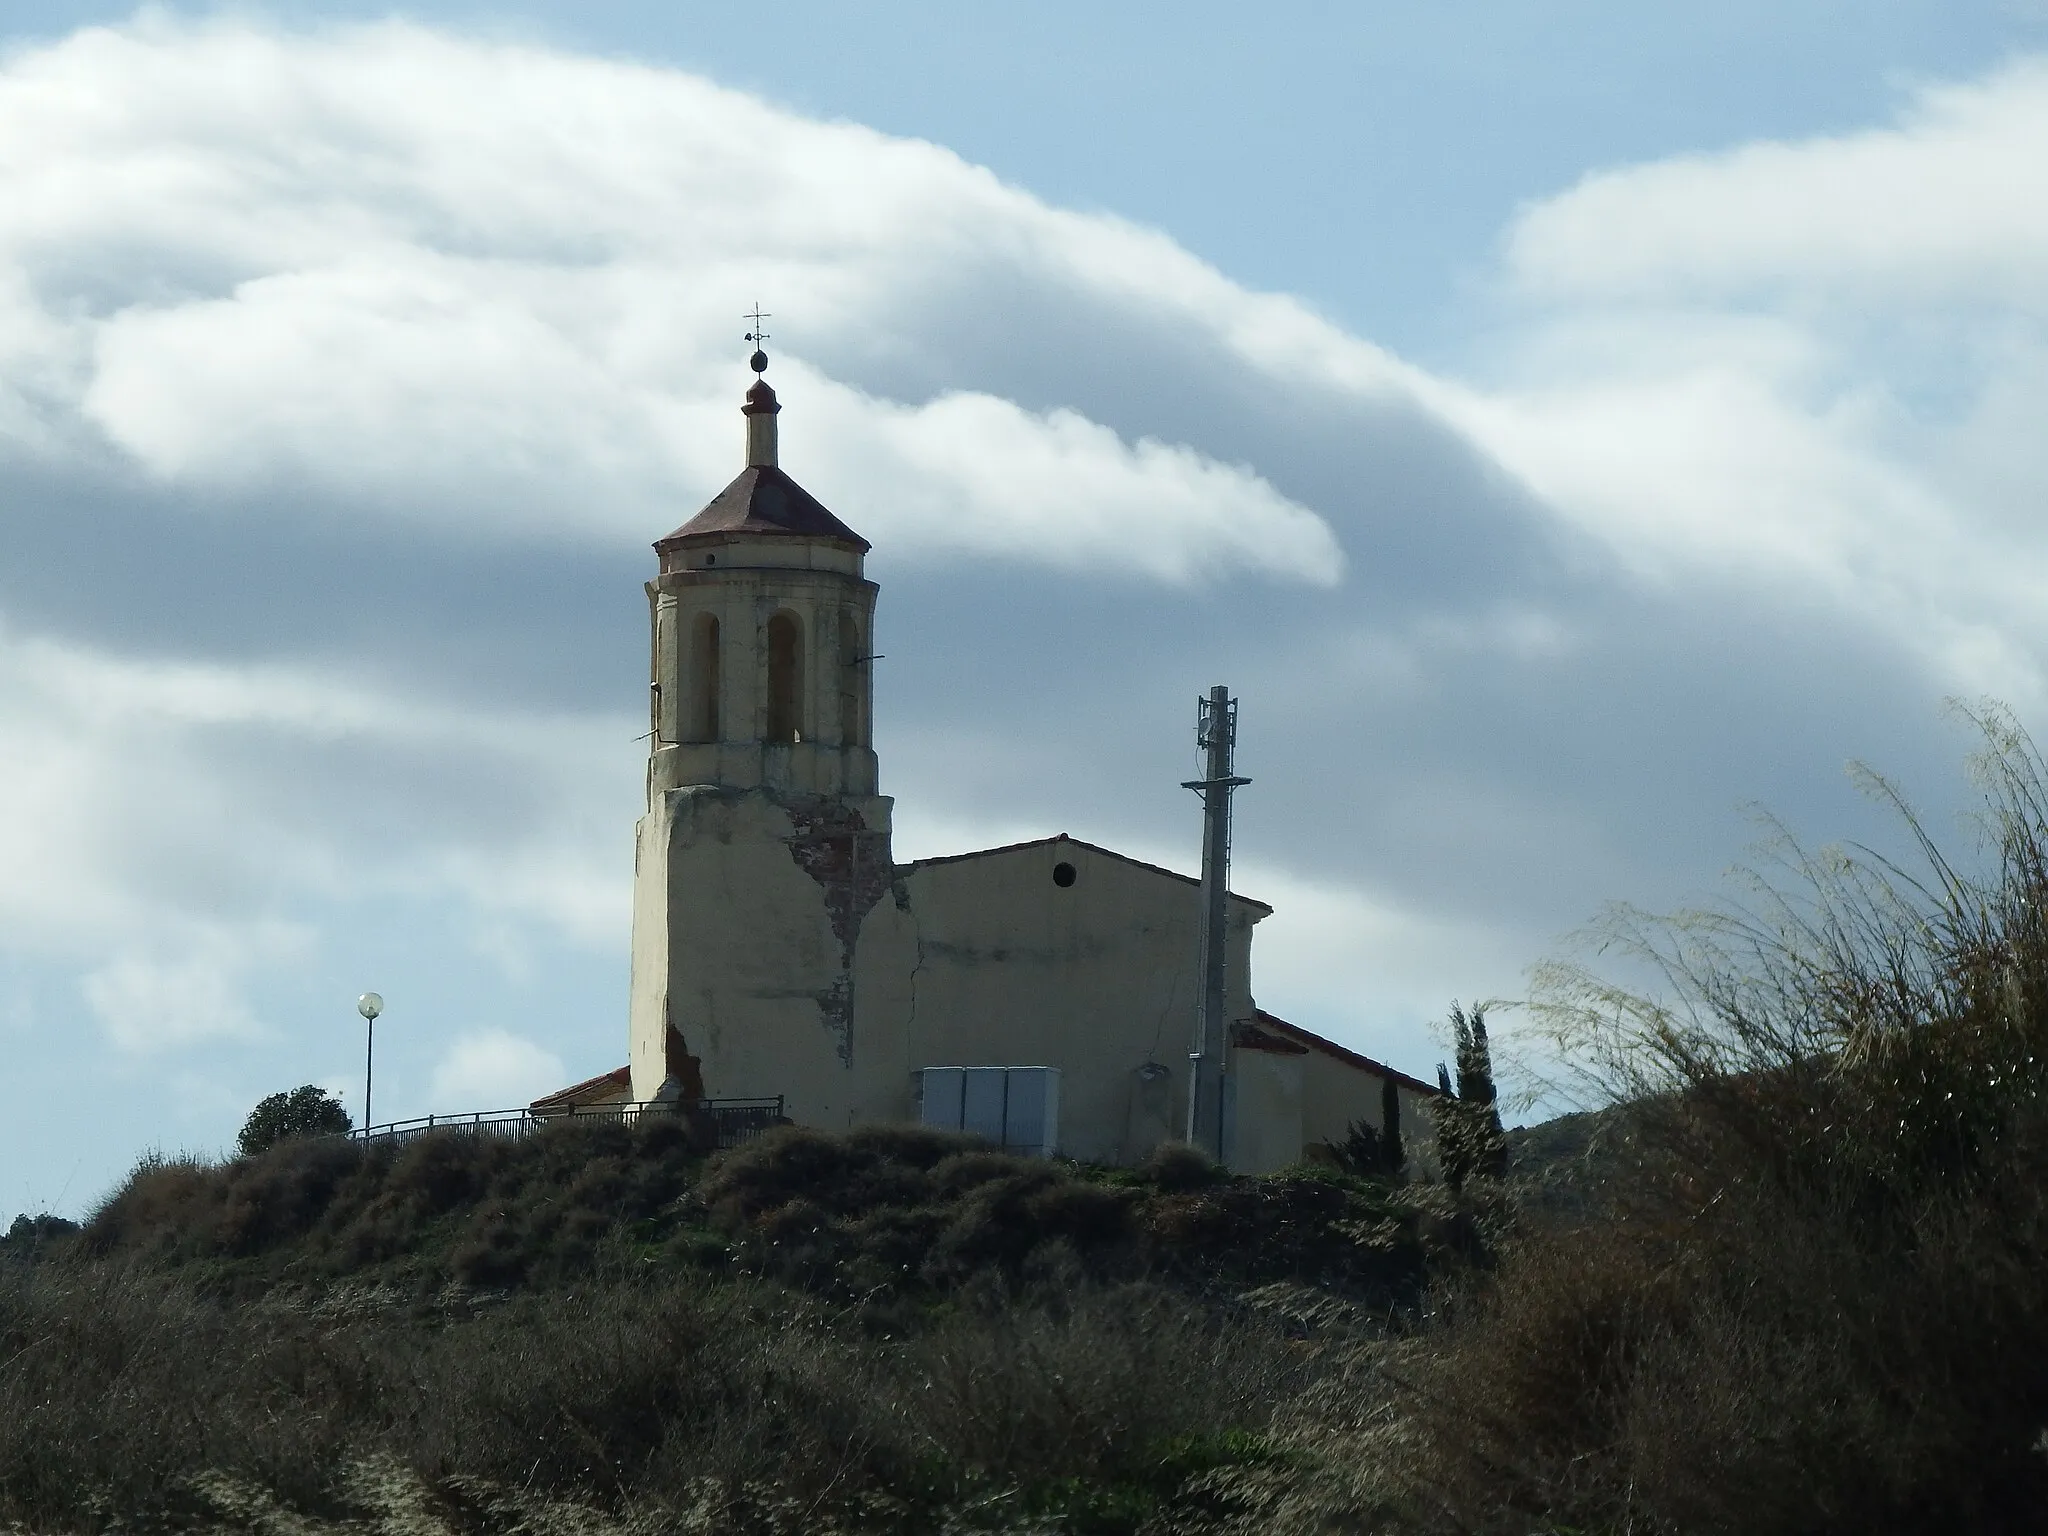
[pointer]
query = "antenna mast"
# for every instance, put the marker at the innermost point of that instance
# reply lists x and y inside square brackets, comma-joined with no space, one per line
[1215,733]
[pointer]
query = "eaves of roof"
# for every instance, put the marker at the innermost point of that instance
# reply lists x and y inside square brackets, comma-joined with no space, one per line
[1107,853]
[602,1086]
[1249,1037]
[764,501]
[1351,1058]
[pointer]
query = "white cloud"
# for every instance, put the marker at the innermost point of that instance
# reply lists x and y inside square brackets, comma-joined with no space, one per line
[149,1006]
[494,1069]
[93,834]
[975,473]
[1950,203]
[1371,967]
[1805,368]
[176,875]
[470,283]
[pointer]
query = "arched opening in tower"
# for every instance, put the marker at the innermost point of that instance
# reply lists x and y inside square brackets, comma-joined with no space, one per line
[785,678]
[703,719]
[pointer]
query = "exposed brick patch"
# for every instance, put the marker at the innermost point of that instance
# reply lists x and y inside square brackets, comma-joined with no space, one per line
[855,869]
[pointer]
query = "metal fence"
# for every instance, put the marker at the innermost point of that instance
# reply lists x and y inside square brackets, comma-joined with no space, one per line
[736,1120]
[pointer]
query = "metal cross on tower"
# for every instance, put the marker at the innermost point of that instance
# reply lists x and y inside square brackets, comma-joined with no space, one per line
[759,361]
[1216,734]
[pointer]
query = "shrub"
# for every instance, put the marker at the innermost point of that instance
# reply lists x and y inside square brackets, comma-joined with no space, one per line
[1810,1297]
[1371,1151]
[1176,1166]
[446,1205]
[30,1236]
[895,1329]
[843,1217]
[126,1400]
[1365,1153]
[306,1111]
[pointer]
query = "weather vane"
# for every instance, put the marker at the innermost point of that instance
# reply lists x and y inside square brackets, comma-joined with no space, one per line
[759,361]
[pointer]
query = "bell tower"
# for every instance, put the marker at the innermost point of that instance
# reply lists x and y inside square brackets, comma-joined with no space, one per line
[765,843]
[760,620]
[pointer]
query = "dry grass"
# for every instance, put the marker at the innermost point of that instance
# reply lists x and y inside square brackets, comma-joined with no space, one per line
[890,1330]
[125,1395]
[1811,1292]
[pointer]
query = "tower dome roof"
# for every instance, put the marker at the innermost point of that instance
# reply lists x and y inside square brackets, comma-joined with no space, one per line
[763,501]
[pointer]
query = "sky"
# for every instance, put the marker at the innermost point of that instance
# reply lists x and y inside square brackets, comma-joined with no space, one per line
[1565,433]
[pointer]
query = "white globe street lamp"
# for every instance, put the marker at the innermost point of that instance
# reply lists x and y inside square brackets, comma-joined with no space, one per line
[369,1005]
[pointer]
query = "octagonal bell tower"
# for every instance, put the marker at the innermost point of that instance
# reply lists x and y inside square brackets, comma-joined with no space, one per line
[760,619]
[765,844]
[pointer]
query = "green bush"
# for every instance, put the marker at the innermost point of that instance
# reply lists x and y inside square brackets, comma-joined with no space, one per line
[32,1236]
[1175,1166]
[450,1204]
[909,1211]
[306,1111]
[894,1330]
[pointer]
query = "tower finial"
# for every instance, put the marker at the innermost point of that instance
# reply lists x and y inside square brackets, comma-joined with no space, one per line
[761,408]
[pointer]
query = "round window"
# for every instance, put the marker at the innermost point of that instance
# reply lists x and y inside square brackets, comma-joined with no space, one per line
[1063,875]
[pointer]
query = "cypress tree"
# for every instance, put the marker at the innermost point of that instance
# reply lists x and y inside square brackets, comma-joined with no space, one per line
[1390,1121]
[1470,1139]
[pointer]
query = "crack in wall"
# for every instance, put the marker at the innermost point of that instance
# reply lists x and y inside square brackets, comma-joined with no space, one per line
[917,970]
[853,866]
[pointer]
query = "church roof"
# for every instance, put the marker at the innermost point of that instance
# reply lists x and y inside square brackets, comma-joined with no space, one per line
[1271,1024]
[1247,1036]
[765,501]
[1108,853]
[609,1087]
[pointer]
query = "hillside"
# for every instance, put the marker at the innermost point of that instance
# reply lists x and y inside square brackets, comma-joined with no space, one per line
[892,1330]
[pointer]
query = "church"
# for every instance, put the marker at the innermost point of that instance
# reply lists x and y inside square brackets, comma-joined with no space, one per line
[1043,994]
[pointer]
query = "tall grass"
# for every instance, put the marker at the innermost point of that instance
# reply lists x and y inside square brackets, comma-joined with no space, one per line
[124,1396]
[893,1329]
[1813,1294]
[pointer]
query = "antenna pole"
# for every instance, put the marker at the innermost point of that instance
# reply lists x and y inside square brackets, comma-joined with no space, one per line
[1208,1062]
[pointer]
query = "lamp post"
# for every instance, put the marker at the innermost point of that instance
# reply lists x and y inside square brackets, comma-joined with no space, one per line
[369,1005]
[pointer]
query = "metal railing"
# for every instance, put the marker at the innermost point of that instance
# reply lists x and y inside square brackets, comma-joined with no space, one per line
[736,1120]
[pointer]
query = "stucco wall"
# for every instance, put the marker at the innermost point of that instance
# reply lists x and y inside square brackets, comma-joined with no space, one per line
[1266,1122]
[1337,1093]
[793,958]
[1096,978]
[747,910]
